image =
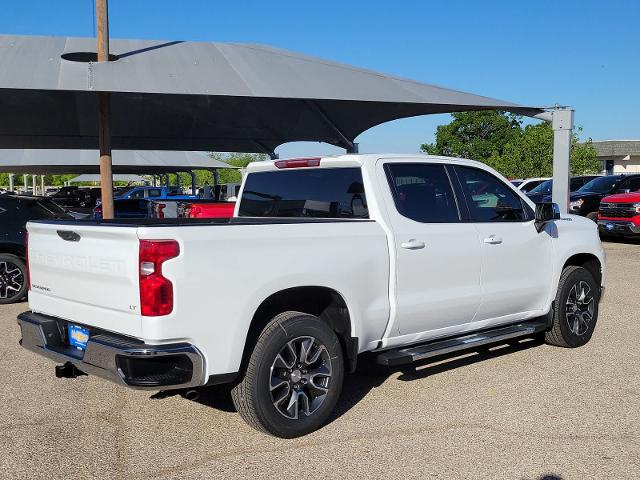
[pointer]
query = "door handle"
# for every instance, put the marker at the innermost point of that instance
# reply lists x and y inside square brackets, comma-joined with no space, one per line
[412,244]
[493,240]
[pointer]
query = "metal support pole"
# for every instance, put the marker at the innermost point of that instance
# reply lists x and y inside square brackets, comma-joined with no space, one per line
[11,182]
[104,119]
[24,178]
[562,123]
[34,186]
[42,185]
[193,182]
[216,177]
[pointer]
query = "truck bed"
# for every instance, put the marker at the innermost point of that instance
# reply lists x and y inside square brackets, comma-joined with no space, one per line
[87,273]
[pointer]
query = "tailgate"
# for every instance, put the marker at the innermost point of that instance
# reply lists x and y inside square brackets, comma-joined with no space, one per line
[87,274]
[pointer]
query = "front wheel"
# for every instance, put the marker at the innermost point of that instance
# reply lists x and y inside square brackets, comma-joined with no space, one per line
[294,377]
[576,308]
[593,216]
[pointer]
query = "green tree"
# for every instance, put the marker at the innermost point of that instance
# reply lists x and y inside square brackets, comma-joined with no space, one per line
[225,175]
[499,140]
[532,155]
[477,135]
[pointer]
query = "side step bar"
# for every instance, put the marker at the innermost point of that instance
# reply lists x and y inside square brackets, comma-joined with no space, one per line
[405,355]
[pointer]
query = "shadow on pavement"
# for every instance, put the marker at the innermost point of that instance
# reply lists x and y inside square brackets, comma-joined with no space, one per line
[369,375]
[624,240]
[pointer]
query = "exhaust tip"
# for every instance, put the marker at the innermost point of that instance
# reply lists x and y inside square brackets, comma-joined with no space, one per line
[191,395]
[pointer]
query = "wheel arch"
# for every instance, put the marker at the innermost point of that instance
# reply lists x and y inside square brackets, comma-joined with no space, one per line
[588,261]
[13,249]
[323,302]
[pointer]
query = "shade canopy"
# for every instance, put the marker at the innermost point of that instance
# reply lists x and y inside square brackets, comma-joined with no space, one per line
[37,161]
[201,96]
[93,177]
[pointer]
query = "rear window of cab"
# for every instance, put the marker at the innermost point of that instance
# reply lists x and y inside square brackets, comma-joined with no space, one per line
[317,193]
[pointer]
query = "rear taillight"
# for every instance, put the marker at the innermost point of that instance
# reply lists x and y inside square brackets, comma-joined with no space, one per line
[298,163]
[26,258]
[156,291]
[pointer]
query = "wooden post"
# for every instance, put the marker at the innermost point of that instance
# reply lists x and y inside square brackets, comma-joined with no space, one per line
[104,116]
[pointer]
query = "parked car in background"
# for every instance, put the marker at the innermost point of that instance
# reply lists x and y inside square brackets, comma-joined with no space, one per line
[586,200]
[227,192]
[542,192]
[528,184]
[619,215]
[74,197]
[171,208]
[126,208]
[15,212]
[156,193]
[206,209]
[404,256]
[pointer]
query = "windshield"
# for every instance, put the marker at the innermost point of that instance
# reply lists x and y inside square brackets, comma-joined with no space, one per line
[600,185]
[43,208]
[544,187]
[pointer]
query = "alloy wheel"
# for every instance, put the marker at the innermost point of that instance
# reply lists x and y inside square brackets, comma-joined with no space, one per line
[579,308]
[300,377]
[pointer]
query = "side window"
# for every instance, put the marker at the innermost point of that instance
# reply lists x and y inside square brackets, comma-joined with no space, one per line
[489,199]
[422,192]
[155,192]
[137,194]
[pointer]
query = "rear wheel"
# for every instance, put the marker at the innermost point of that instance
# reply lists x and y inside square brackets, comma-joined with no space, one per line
[13,278]
[593,216]
[576,308]
[294,377]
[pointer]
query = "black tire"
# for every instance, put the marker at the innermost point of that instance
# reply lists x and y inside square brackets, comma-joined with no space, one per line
[13,272]
[593,216]
[565,332]
[252,396]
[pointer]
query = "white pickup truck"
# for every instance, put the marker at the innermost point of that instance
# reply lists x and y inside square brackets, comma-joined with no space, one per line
[407,256]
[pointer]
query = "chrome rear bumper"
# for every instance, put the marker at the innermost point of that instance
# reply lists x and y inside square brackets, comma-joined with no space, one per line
[121,359]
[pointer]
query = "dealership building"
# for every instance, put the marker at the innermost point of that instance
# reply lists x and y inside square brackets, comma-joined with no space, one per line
[619,156]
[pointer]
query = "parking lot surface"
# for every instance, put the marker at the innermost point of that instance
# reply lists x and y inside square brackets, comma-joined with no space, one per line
[529,411]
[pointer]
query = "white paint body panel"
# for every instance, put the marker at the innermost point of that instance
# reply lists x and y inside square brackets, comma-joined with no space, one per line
[224,272]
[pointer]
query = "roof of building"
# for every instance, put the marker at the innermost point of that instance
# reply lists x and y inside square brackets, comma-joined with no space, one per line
[617,148]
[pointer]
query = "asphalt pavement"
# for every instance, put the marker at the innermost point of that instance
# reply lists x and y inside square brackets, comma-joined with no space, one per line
[528,411]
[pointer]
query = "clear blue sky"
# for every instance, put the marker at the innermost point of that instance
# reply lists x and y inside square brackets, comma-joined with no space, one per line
[583,53]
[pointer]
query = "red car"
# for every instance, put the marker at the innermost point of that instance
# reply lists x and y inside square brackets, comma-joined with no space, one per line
[619,215]
[206,209]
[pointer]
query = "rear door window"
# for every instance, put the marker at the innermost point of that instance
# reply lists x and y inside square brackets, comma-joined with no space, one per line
[422,192]
[318,192]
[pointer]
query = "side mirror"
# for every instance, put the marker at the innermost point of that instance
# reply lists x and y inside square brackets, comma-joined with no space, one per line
[545,213]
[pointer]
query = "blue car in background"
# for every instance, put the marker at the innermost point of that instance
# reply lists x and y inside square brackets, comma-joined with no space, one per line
[156,193]
[135,202]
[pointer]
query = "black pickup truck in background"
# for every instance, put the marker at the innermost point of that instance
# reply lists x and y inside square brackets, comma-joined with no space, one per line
[15,212]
